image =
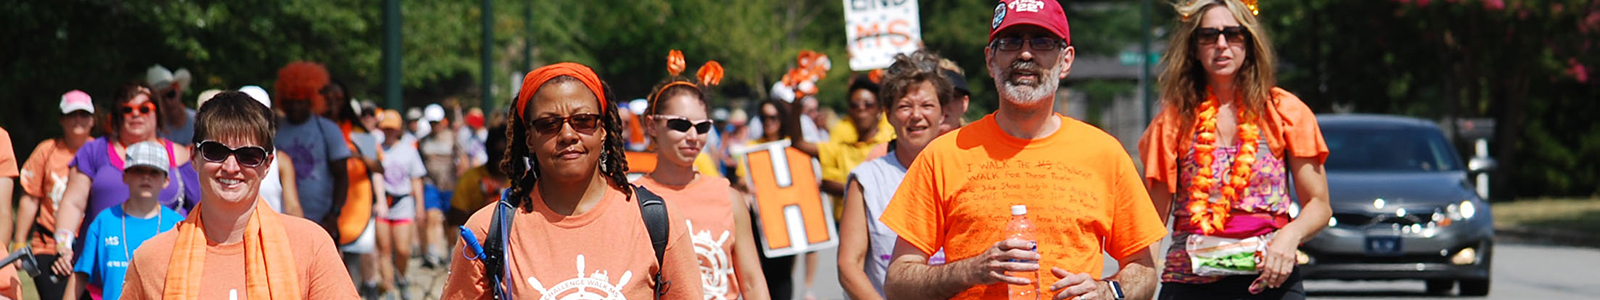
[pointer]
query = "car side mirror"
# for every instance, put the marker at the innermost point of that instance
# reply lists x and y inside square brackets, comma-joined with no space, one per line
[1478,165]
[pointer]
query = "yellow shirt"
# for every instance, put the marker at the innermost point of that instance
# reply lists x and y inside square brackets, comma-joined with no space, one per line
[476,190]
[843,152]
[845,131]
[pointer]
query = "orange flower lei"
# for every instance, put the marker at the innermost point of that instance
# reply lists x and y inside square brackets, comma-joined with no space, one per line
[1211,213]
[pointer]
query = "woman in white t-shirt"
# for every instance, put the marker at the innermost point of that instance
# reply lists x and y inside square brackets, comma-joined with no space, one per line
[397,211]
[913,94]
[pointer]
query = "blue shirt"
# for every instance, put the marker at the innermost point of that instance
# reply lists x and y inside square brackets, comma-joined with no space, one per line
[104,256]
[312,145]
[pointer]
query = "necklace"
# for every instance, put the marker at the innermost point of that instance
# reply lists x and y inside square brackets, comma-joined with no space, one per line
[125,240]
[1207,212]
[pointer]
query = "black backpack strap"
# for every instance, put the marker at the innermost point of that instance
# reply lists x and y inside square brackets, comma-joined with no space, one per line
[654,210]
[494,247]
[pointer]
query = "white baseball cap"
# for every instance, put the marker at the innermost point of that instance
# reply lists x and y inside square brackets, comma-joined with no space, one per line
[258,93]
[76,100]
[146,154]
[206,97]
[433,113]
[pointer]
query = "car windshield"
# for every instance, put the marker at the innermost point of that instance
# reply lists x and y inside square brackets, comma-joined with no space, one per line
[1377,149]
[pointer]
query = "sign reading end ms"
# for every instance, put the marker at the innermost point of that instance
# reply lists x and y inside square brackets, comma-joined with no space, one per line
[879,29]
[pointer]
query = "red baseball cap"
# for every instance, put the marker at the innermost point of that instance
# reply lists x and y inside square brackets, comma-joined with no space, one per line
[1042,13]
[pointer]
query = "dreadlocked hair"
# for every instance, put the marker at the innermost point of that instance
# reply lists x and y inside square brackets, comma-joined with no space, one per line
[522,169]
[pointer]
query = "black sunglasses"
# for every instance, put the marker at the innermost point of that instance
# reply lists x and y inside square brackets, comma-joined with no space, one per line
[1208,35]
[581,122]
[682,124]
[1038,43]
[248,156]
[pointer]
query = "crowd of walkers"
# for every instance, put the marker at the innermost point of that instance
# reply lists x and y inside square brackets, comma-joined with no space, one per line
[301,191]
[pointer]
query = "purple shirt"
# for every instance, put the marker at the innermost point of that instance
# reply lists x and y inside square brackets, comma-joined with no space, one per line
[107,188]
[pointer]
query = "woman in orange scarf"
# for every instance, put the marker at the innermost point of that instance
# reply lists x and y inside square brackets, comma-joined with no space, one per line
[234,248]
[1220,156]
[577,230]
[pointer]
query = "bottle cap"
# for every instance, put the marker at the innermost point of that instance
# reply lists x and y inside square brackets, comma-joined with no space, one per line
[1018,210]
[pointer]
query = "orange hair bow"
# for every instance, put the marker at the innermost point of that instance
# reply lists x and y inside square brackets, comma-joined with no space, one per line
[675,62]
[710,74]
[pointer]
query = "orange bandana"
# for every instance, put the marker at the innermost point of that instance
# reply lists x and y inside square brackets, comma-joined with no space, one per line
[538,77]
[270,271]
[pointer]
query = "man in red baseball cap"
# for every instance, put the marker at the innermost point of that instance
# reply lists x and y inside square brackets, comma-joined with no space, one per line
[1073,181]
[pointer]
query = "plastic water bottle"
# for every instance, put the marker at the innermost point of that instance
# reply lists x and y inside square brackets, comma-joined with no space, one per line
[1021,228]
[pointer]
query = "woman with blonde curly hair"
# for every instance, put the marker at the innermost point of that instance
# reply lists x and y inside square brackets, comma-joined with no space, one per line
[1220,156]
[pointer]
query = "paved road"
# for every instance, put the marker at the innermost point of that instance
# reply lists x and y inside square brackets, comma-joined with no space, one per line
[1521,271]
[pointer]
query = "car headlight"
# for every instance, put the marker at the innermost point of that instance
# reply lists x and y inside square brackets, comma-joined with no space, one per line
[1461,211]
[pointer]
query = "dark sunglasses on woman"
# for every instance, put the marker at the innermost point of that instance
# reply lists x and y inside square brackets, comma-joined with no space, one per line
[580,122]
[248,156]
[1208,35]
[681,124]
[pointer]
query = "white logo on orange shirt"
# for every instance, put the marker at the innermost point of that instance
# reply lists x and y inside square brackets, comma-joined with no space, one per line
[58,190]
[716,270]
[1027,5]
[596,286]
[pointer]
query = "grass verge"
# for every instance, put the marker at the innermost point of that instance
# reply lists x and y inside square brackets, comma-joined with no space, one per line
[1574,215]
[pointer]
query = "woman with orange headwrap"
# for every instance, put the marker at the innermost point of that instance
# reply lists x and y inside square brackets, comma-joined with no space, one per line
[679,123]
[232,246]
[1220,157]
[572,207]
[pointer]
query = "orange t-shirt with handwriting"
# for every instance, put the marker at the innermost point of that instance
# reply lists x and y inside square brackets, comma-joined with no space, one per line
[707,207]
[322,272]
[604,253]
[1079,185]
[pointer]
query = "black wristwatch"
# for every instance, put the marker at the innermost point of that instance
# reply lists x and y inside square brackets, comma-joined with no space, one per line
[1116,290]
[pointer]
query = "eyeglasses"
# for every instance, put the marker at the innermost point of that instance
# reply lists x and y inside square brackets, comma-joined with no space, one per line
[862,105]
[682,124]
[1037,44]
[580,122]
[146,108]
[248,156]
[1208,35]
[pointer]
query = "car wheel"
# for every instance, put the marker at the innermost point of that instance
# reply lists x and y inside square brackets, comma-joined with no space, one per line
[1440,286]
[1475,287]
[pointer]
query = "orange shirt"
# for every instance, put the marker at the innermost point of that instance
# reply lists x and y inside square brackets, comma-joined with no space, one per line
[322,272]
[44,176]
[706,204]
[10,285]
[1290,126]
[600,254]
[8,168]
[1080,187]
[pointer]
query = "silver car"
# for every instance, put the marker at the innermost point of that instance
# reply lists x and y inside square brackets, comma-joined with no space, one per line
[1403,208]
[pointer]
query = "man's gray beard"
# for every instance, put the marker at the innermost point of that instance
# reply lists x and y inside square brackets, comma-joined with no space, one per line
[1017,93]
